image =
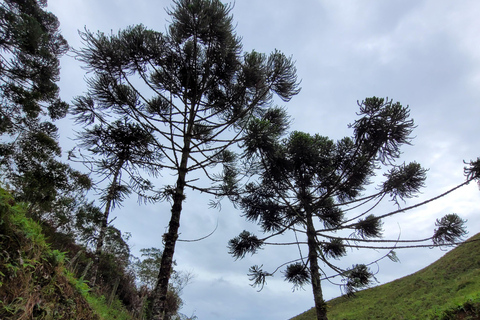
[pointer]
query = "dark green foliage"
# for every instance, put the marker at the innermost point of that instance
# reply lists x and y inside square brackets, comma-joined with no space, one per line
[116,245]
[334,249]
[31,46]
[244,243]
[267,129]
[382,129]
[316,187]
[202,66]
[370,227]
[33,281]
[297,274]
[330,214]
[258,277]
[404,181]
[450,229]
[260,207]
[49,186]
[357,278]
[115,148]
[472,172]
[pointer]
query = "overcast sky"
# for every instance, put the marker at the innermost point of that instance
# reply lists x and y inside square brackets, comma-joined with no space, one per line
[425,54]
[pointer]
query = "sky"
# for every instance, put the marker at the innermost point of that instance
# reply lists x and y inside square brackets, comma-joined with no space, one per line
[422,53]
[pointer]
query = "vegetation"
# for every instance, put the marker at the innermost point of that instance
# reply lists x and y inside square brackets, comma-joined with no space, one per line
[317,188]
[192,91]
[44,273]
[116,149]
[448,289]
[33,279]
[190,102]
[30,48]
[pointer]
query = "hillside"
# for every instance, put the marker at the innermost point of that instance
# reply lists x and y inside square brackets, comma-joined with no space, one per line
[447,289]
[35,279]
[33,282]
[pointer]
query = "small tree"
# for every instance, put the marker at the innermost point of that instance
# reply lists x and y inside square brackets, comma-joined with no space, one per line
[314,186]
[87,227]
[193,90]
[117,149]
[146,270]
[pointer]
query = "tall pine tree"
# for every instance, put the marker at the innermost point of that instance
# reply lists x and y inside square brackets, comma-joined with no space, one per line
[194,90]
[315,187]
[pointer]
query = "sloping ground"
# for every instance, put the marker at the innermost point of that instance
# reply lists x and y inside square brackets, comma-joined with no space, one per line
[34,283]
[447,289]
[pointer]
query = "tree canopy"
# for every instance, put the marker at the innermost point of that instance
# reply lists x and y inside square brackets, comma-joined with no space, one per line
[316,188]
[31,46]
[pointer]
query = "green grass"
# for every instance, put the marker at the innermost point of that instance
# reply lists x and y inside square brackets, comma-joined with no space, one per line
[442,291]
[106,312]
[34,280]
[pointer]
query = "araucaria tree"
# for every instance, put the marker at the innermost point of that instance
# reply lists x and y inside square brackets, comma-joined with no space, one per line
[30,48]
[194,90]
[315,187]
[117,153]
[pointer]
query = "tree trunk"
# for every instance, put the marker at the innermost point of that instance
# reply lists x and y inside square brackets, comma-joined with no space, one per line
[320,305]
[100,241]
[104,224]
[170,238]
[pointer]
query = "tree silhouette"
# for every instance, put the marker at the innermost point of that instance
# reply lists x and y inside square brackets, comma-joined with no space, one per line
[193,90]
[314,186]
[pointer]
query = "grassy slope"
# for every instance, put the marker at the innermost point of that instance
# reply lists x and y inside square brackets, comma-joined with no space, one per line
[34,280]
[448,286]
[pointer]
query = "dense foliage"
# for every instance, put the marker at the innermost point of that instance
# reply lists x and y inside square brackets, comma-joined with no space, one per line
[51,191]
[31,46]
[33,280]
